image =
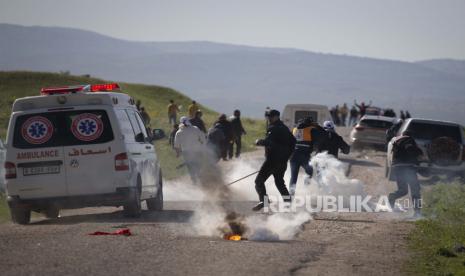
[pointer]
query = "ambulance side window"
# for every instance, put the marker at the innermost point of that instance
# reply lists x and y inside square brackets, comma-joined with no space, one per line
[135,124]
[125,124]
[141,125]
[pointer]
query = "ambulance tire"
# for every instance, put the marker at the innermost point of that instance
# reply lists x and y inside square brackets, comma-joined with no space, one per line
[133,209]
[20,215]
[156,203]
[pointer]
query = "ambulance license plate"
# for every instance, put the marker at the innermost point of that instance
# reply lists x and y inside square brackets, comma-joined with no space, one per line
[41,170]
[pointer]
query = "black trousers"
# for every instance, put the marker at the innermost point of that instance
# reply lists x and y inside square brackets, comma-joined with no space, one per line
[238,143]
[275,168]
[224,148]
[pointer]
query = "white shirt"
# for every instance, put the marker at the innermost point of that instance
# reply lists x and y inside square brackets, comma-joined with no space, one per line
[189,139]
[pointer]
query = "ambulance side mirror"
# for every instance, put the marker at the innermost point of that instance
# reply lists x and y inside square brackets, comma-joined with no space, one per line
[140,138]
[158,134]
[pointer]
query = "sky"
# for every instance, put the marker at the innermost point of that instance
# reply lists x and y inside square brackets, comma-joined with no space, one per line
[407,30]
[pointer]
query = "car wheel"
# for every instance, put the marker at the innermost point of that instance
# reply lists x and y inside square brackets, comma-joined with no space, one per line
[133,209]
[20,215]
[52,212]
[156,203]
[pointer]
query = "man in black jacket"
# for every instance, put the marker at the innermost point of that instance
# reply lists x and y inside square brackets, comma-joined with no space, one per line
[198,122]
[333,142]
[279,144]
[237,131]
[225,126]
[215,141]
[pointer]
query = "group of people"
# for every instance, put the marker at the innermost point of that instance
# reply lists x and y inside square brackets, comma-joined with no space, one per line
[200,149]
[343,116]
[221,138]
[282,145]
[199,146]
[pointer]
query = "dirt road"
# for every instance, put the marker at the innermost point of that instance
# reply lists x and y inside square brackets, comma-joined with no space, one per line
[164,242]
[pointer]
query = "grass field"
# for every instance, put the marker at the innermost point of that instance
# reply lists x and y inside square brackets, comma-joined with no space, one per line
[155,99]
[434,239]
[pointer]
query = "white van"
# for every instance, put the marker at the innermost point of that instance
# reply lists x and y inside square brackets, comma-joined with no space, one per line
[294,112]
[76,147]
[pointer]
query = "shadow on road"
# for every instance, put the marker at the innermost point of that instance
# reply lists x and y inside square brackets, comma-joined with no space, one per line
[166,216]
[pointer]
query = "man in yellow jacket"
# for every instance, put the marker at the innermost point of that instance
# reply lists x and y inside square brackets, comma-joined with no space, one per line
[193,109]
[173,110]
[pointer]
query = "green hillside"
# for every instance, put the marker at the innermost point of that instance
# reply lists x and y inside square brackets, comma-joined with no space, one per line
[154,98]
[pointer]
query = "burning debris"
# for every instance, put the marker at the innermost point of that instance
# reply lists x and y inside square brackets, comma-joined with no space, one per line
[234,227]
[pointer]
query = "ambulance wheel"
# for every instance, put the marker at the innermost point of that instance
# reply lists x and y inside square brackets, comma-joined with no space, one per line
[156,203]
[20,215]
[133,209]
[52,212]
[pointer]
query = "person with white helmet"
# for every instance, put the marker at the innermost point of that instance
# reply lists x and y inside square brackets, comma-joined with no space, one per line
[191,143]
[333,142]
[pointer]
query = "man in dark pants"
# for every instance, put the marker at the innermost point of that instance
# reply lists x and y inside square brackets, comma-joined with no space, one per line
[279,144]
[237,130]
[404,161]
[306,134]
[225,126]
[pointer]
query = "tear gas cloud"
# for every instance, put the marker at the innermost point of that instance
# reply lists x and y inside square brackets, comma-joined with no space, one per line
[210,218]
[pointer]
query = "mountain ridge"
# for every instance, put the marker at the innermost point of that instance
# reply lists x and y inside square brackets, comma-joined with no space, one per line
[226,76]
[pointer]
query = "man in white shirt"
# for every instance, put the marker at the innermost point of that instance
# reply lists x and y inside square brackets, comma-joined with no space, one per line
[191,143]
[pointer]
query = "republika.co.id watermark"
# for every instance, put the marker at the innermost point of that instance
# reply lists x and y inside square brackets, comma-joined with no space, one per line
[341,203]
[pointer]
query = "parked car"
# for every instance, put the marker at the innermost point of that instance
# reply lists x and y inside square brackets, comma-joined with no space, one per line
[431,136]
[79,146]
[371,131]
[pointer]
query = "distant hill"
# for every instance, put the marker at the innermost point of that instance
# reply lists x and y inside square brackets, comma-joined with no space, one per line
[226,77]
[155,99]
[450,66]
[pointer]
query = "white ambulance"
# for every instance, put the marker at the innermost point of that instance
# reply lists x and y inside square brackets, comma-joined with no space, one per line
[79,146]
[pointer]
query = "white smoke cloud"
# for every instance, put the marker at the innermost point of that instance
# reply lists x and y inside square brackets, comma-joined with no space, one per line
[209,219]
[278,226]
[329,178]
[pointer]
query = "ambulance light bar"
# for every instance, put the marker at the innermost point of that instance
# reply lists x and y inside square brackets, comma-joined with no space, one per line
[80,88]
